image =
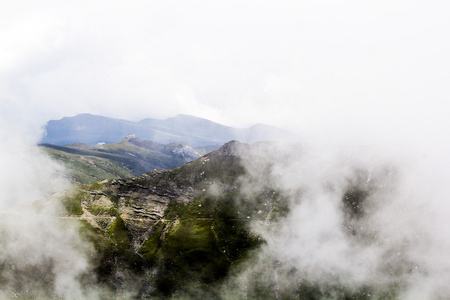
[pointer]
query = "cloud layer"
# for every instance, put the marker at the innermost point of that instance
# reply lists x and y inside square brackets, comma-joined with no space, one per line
[365,221]
[343,66]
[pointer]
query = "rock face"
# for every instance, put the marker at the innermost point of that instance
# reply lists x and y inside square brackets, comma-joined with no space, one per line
[167,221]
[141,206]
[141,201]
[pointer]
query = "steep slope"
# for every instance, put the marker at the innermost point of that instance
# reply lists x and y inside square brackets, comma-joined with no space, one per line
[193,131]
[187,226]
[132,156]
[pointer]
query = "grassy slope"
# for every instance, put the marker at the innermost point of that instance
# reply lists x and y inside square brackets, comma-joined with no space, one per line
[89,169]
[89,164]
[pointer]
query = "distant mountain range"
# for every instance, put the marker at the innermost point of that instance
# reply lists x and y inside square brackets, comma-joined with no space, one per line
[93,129]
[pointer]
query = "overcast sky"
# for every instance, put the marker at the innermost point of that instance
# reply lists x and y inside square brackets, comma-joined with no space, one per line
[378,68]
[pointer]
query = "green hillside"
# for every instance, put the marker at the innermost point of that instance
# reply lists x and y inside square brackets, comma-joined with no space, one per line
[131,157]
[189,227]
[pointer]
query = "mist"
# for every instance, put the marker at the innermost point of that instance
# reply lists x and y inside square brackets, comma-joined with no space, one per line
[363,84]
[369,221]
[42,254]
[365,220]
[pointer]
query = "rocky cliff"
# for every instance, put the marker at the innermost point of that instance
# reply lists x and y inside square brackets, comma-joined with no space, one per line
[186,227]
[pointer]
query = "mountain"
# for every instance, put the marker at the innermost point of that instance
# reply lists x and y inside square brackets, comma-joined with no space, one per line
[130,157]
[171,232]
[187,233]
[204,231]
[91,129]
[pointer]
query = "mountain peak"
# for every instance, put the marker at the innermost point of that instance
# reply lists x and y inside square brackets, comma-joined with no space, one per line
[232,148]
[129,137]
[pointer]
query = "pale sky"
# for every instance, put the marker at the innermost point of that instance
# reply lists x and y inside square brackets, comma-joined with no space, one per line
[351,68]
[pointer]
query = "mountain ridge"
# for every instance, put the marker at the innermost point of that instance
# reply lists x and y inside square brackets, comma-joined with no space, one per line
[130,157]
[168,226]
[184,129]
[190,231]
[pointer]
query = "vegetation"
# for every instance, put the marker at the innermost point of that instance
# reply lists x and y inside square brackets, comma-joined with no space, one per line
[153,243]
[208,239]
[83,168]
[72,204]
[131,157]
[200,239]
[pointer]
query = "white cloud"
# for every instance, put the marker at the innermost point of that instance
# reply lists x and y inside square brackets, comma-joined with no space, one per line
[327,65]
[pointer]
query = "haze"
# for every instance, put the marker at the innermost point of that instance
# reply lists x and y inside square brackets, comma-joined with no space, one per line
[339,68]
[334,72]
